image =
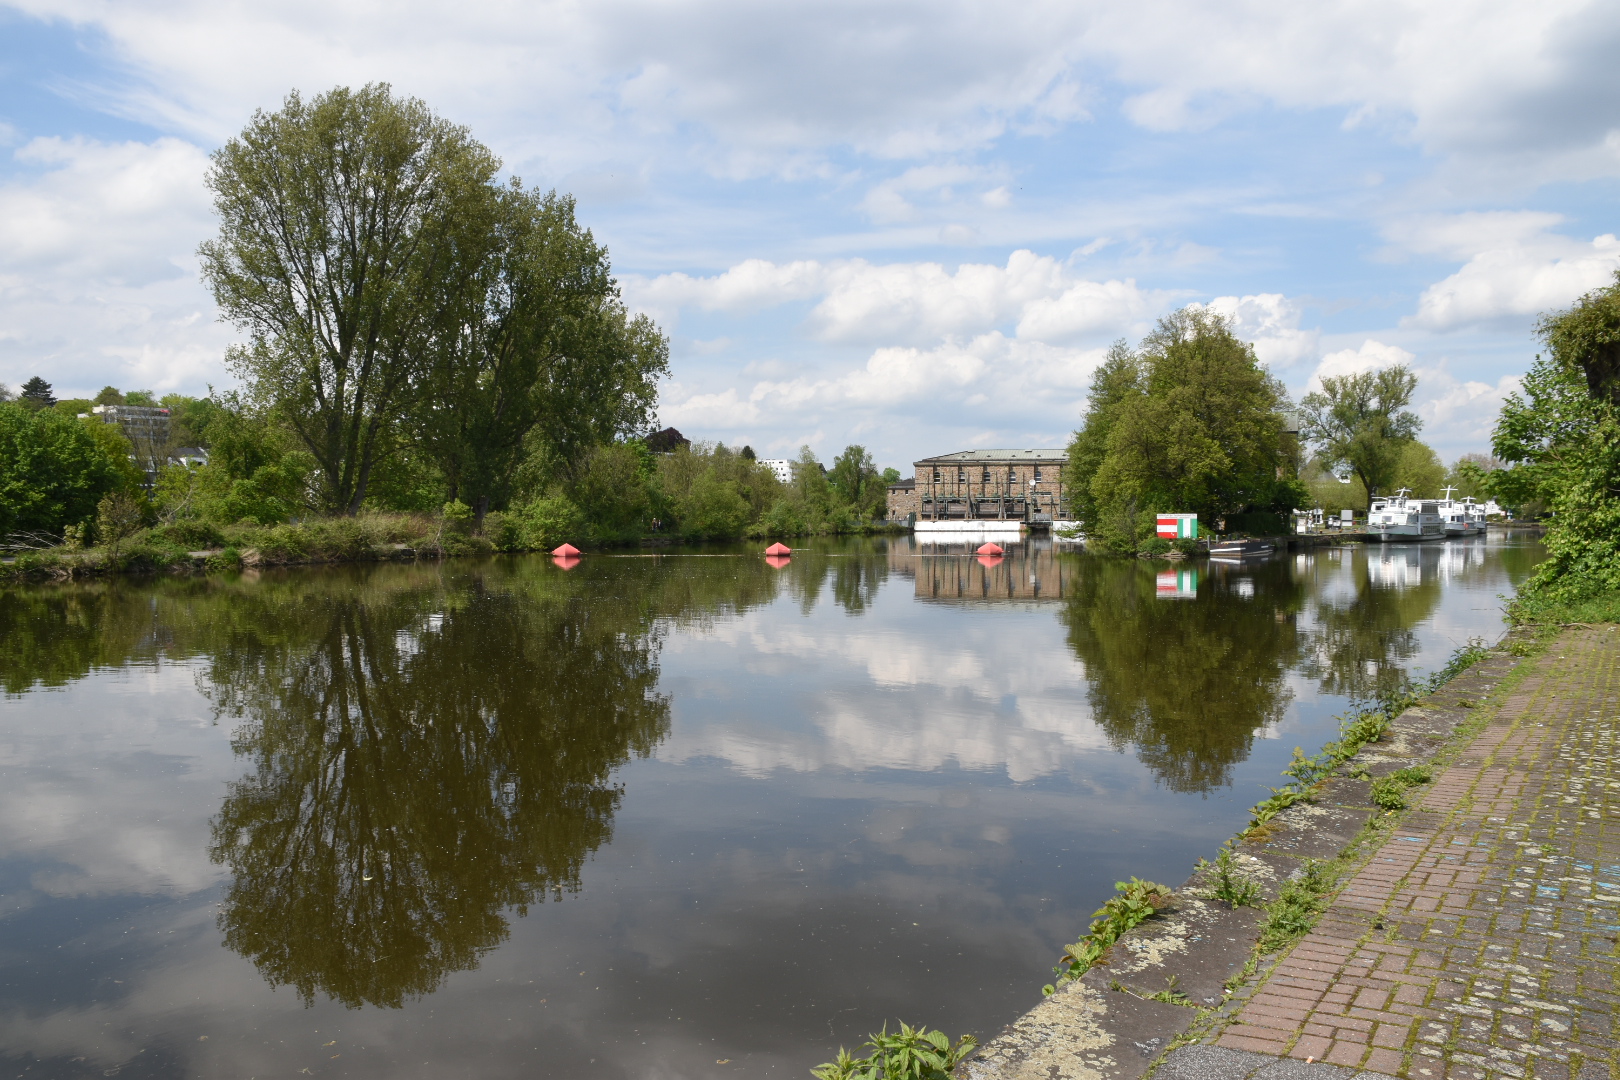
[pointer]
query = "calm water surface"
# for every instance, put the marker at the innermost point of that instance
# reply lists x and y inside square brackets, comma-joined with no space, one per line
[689,816]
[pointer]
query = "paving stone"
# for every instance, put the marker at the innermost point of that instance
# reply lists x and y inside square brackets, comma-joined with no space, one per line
[1491,917]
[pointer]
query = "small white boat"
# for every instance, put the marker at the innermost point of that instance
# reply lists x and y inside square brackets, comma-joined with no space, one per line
[1398,517]
[1241,549]
[1459,517]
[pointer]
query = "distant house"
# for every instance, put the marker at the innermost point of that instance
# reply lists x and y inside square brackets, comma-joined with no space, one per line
[781,468]
[147,429]
[667,441]
[192,457]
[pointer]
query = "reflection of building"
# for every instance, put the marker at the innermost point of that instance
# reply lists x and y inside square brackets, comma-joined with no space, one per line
[1028,572]
[1001,485]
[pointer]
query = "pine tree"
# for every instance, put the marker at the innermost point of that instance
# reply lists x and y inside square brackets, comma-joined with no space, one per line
[37,392]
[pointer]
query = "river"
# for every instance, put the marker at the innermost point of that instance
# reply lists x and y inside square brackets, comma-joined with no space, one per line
[686,815]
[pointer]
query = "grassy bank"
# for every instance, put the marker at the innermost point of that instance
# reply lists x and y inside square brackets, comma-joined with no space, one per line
[1541,609]
[201,547]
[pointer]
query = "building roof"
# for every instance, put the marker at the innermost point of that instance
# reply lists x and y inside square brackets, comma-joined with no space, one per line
[962,456]
[906,484]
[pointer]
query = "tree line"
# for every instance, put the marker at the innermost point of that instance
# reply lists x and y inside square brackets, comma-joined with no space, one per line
[1189,421]
[419,335]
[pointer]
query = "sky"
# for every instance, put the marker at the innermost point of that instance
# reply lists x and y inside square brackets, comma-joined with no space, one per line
[913,226]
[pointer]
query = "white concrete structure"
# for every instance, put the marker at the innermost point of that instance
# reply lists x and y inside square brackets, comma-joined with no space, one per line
[781,468]
[959,527]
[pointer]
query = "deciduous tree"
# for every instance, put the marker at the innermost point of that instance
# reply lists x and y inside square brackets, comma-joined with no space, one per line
[1361,421]
[1190,422]
[337,214]
[1563,433]
[533,338]
[54,469]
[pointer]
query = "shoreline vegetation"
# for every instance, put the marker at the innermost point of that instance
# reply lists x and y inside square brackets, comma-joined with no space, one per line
[198,546]
[431,359]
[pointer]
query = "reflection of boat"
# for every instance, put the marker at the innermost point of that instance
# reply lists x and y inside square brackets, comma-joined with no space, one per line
[1239,549]
[1460,517]
[1400,518]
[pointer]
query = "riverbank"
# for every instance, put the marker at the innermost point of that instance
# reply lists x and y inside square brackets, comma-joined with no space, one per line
[1207,978]
[194,547]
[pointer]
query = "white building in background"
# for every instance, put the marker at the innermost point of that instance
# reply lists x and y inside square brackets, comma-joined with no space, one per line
[781,468]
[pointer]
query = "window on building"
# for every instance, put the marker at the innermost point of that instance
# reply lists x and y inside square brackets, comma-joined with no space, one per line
[1037,474]
[961,476]
[936,476]
[986,476]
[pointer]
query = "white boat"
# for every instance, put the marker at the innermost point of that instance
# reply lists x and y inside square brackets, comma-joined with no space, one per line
[1459,517]
[1398,517]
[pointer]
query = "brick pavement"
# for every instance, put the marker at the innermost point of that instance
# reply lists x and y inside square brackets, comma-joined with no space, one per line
[1483,939]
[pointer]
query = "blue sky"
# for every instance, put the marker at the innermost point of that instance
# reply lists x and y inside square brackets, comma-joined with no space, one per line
[911,225]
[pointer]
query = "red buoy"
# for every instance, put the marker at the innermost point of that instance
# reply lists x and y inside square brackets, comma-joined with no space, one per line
[988,548]
[566,551]
[779,549]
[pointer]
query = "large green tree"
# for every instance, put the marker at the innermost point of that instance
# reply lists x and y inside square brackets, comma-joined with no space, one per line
[532,340]
[1563,435]
[1189,422]
[855,478]
[1116,381]
[54,469]
[1361,422]
[339,221]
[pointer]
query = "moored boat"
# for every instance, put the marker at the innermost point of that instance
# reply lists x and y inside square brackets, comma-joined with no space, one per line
[1399,517]
[1241,548]
[1458,517]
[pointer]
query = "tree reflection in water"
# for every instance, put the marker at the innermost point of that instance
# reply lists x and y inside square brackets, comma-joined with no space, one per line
[1186,682]
[424,758]
[1371,601]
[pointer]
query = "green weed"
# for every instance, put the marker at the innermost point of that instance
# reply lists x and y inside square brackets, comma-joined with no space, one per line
[1232,887]
[1137,901]
[1389,792]
[908,1054]
[1296,909]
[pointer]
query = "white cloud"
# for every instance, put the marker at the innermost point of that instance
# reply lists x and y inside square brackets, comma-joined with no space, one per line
[1371,356]
[1271,322]
[916,302]
[1516,278]
[1459,412]
[97,273]
[1528,87]
[990,378]
[888,200]
[750,285]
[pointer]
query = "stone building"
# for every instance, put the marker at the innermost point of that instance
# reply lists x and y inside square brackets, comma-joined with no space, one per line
[902,499]
[999,485]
